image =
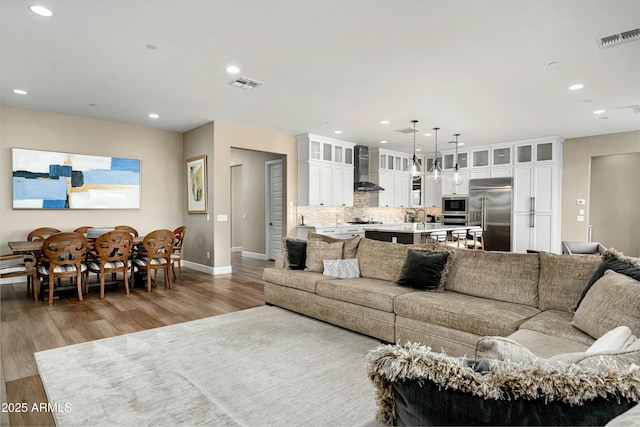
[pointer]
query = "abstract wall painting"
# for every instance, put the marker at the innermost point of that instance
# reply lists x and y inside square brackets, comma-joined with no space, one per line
[197,184]
[53,180]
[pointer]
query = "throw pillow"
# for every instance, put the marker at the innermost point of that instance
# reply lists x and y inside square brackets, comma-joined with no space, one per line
[422,270]
[295,253]
[350,248]
[341,268]
[611,302]
[317,251]
[500,348]
[616,261]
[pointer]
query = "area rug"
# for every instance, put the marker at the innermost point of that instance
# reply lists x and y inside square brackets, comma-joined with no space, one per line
[265,366]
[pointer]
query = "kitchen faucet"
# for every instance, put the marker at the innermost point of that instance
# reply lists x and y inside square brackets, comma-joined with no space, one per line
[424,217]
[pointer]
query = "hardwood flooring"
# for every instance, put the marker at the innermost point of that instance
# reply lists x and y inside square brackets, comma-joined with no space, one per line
[28,326]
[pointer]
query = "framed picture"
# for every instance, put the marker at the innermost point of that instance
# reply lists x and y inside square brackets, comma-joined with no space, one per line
[197,185]
[54,180]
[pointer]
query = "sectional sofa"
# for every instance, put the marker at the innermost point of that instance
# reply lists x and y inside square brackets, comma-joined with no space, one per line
[544,302]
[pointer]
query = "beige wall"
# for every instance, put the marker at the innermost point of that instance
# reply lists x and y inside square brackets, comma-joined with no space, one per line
[576,175]
[161,158]
[252,194]
[199,236]
[232,135]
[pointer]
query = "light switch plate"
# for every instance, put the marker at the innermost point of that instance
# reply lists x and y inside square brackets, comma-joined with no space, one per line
[222,218]
[580,218]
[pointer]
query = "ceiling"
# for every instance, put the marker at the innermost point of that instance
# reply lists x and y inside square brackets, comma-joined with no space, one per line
[477,67]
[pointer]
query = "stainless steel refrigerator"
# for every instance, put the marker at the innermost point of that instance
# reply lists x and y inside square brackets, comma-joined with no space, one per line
[490,208]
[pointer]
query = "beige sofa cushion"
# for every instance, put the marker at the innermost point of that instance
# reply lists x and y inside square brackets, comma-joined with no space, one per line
[381,260]
[317,251]
[468,313]
[614,300]
[563,278]
[298,279]
[557,323]
[502,276]
[350,248]
[374,293]
[543,345]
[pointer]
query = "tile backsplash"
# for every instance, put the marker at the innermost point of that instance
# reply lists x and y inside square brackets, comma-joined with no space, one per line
[338,215]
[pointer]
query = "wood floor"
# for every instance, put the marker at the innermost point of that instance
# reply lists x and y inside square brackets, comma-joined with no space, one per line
[28,326]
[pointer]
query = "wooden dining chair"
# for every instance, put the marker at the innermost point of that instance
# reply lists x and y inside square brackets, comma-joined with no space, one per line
[38,234]
[83,230]
[176,255]
[64,254]
[112,249]
[128,229]
[15,265]
[156,255]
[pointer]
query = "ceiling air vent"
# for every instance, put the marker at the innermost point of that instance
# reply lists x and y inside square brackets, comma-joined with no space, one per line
[407,130]
[618,39]
[246,83]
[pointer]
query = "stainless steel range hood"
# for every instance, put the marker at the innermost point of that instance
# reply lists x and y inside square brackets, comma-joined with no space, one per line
[361,170]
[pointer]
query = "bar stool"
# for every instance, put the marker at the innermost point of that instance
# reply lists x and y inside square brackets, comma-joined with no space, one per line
[438,236]
[477,242]
[458,238]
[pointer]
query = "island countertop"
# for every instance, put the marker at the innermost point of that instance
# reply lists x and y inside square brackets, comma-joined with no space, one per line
[419,229]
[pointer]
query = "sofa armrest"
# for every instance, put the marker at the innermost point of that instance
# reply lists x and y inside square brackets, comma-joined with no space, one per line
[280,261]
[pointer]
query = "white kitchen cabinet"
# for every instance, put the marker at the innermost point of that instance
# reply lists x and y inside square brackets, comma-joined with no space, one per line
[402,190]
[432,194]
[536,208]
[390,170]
[325,171]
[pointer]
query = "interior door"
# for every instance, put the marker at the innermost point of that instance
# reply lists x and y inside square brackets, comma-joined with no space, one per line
[275,201]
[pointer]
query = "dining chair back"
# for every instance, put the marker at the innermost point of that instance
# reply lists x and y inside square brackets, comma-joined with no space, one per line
[128,229]
[42,233]
[15,265]
[176,255]
[83,230]
[112,250]
[64,253]
[156,255]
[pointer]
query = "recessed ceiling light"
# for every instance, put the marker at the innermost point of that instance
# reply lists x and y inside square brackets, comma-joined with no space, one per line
[20,91]
[599,112]
[232,69]
[577,86]
[153,116]
[418,149]
[384,122]
[383,142]
[427,134]
[41,10]
[337,132]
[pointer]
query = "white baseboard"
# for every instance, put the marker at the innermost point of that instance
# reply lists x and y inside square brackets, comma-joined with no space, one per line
[236,249]
[207,269]
[255,255]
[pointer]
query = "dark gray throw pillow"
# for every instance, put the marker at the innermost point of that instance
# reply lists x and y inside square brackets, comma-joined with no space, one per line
[422,270]
[616,262]
[296,253]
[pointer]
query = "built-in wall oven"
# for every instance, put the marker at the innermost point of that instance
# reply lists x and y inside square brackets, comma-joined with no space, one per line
[455,210]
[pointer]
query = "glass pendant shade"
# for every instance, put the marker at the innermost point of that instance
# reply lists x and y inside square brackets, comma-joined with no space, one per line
[456,177]
[416,168]
[435,173]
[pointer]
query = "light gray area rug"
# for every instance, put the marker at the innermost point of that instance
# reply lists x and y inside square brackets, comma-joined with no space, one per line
[257,367]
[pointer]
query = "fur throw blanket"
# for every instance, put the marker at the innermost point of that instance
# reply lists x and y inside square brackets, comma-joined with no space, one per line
[572,384]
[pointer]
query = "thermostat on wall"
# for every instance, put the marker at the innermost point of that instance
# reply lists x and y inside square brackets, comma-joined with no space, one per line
[580,202]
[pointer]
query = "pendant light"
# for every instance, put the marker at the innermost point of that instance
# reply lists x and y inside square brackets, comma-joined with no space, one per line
[416,168]
[456,177]
[435,173]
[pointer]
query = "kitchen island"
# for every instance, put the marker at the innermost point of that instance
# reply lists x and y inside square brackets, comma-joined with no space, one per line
[409,235]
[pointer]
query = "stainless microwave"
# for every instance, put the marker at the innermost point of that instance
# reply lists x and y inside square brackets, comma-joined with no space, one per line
[455,205]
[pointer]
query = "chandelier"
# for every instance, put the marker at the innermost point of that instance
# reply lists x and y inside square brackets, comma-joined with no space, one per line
[456,177]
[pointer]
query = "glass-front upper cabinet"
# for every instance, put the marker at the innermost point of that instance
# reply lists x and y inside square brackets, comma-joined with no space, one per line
[326,151]
[502,156]
[449,161]
[314,150]
[544,152]
[480,158]
[348,156]
[463,160]
[528,153]
[338,154]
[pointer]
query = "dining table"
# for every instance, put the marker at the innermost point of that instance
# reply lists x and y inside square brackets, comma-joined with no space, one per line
[29,246]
